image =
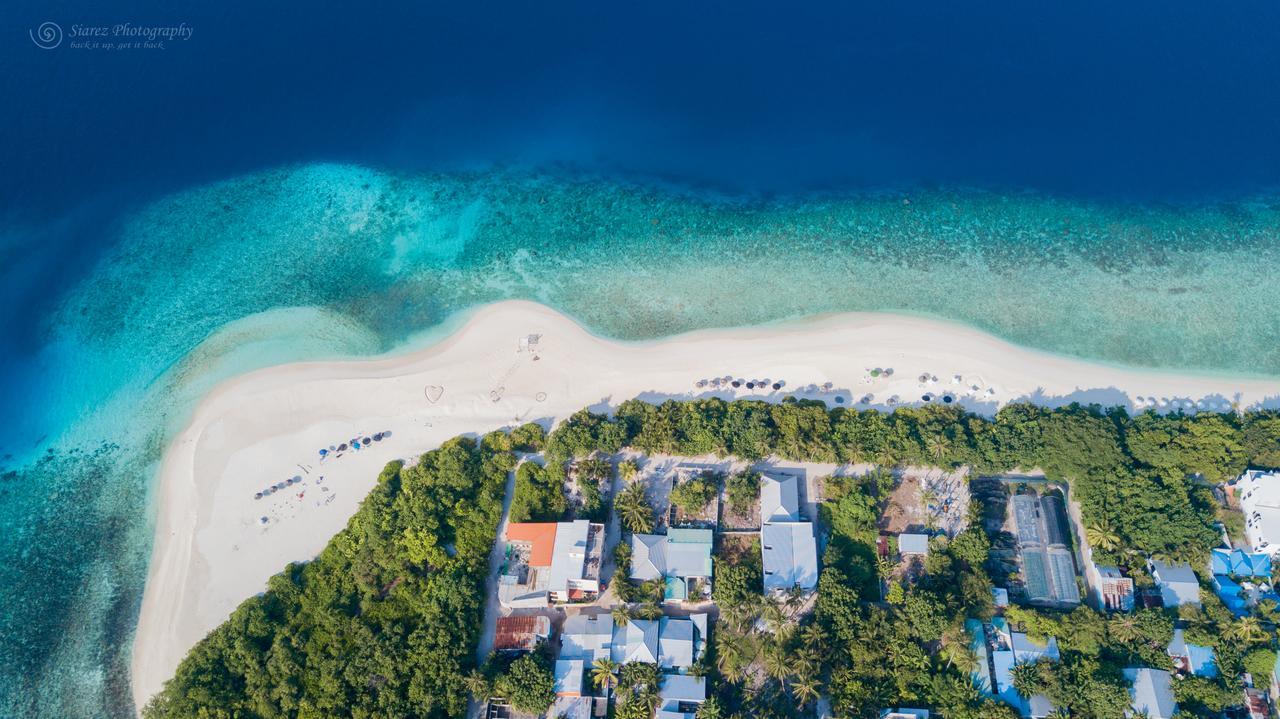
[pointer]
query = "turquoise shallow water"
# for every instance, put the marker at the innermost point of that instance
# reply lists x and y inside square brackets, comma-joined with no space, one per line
[330,260]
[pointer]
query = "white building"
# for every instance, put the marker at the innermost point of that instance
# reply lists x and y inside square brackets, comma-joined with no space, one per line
[1259,494]
[680,696]
[587,636]
[788,544]
[1151,691]
[1177,582]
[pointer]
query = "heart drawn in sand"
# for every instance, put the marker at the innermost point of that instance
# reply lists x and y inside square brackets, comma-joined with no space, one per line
[433,392]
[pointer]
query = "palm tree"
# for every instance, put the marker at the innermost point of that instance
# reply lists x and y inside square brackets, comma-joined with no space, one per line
[604,674]
[811,638]
[1125,628]
[621,615]
[634,510]
[795,597]
[477,685]
[628,470]
[805,689]
[777,663]
[710,709]
[1101,535]
[729,659]
[1026,678]
[938,445]
[1247,629]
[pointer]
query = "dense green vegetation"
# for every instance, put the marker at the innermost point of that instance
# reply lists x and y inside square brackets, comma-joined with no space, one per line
[539,493]
[741,490]
[1135,477]
[695,493]
[527,683]
[384,622]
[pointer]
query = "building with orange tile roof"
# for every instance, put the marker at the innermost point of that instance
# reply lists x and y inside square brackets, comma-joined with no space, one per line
[541,538]
[551,562]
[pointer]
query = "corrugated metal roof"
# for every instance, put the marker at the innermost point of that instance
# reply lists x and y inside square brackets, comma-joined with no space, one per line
[520,633]
[779,498]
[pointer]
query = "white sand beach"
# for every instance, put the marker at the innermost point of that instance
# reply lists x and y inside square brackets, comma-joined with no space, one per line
[212,549]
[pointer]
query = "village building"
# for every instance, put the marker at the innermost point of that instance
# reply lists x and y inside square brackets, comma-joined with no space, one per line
[681,558]
[788,544]
[913,545]
[522,633]
[1115,590]
[673,643]
[680,696]
[551,562]
[1259,495]
[1191,658]
[1151,692]
[1044,547]
[1177,583]
[587,637]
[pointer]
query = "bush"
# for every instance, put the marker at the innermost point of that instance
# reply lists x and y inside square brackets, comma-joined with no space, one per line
[528,684]
[694,494]
[528,437]
[742,490]
[539,494]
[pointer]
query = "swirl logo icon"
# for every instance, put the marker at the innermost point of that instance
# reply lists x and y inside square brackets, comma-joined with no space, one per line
[47,36]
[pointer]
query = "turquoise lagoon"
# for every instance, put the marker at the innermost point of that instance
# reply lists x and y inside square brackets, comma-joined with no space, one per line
[323,261]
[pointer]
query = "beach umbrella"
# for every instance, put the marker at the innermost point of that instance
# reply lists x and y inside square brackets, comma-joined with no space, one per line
[947,398]
[927,397]
[736,383]
[323,451]
[924,378]
[257,495]
[751,385]
[839,399]
[777,385]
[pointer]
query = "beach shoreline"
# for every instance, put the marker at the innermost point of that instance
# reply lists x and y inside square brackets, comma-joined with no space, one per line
[212,549]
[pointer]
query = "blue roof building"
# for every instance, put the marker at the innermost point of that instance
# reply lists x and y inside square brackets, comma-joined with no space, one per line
[1192,658]
[980,675]
[1231,594]
[1238,563]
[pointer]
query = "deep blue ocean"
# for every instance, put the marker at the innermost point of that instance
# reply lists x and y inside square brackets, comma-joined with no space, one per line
[1097,179]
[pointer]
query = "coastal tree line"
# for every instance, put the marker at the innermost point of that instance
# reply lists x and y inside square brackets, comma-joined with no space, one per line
[384,622]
